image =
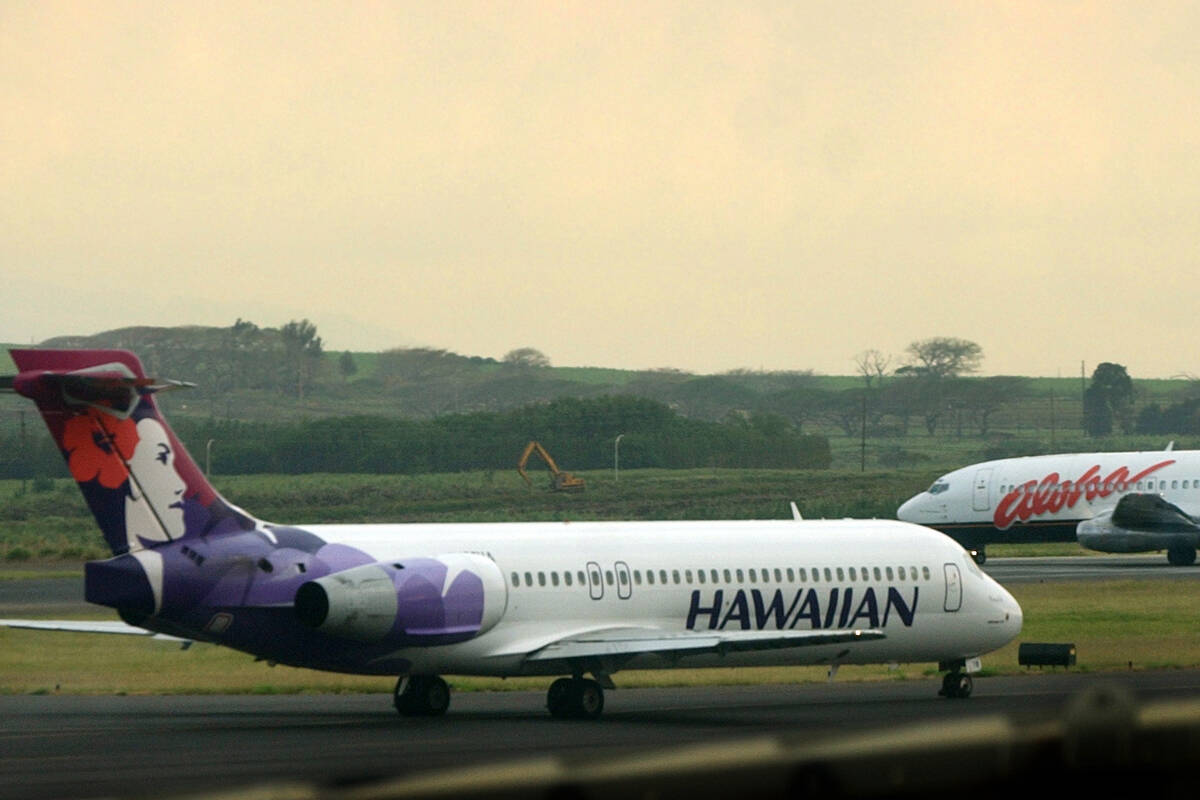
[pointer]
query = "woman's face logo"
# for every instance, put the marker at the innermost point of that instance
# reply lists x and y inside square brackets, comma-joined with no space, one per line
[154,507]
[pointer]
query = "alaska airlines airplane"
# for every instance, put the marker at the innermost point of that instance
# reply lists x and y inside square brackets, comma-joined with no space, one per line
[1130,502]
[420,600]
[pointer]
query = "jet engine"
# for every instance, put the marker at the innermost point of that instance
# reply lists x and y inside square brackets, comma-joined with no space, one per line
[1140,523]
[415,601]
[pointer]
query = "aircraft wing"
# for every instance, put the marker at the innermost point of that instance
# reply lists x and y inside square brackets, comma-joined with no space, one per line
[86,626]
[639,641]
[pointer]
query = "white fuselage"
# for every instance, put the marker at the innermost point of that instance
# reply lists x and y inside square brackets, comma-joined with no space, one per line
[566,580]
[1005,499]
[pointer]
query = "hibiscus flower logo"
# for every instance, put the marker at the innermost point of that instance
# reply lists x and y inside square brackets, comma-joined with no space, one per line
[98,446]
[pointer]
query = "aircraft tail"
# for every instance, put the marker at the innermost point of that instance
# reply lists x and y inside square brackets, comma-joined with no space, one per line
[137,478]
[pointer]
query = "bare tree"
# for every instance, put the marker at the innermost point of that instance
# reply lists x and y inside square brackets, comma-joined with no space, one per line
[872,365]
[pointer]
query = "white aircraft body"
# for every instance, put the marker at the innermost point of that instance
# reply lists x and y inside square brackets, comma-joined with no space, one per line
[1124,502]
[421,600]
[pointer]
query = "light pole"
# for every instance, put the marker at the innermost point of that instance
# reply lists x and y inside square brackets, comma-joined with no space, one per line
[617,458]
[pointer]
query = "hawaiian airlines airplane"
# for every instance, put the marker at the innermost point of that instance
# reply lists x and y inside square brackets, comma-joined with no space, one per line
[420,600]
[1130,502]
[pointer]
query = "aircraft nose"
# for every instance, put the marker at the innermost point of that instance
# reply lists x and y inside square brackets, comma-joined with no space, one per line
[907,510]
[1014,618]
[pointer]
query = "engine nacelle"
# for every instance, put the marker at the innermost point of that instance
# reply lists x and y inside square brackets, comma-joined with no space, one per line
[1139,523]
[413,601]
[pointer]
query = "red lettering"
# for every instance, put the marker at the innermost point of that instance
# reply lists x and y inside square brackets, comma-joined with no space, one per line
[1051,495]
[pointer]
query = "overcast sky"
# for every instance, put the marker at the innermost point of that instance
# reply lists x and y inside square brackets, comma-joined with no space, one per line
[700,185]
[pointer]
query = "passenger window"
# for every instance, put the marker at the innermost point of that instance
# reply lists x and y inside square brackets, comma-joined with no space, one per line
[1174,484]
[778,575]
[900,570]
[567,577]
[828,575]
[583,578]
[529,579]
[662,577]
[541,579]
[637,577]
[687,576]
[623,577]
[853,574]
[516,579]
[841,574]
[713,574]
[791,575]
[595,577]
[675,575]
[554,578]
[913,572]
[878,574]
[925,573]
[889,575]
[650,577]
[740,579]
[803,575]
[700,576]
[728,577]
[816,575]
[753,576]
[608,577]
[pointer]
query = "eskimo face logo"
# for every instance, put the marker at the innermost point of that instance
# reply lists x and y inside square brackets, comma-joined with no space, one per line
[1052,494]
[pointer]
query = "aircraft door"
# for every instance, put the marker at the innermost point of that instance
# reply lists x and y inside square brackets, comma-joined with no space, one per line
[983,482]
[595,577]
[953,588]
[624,584]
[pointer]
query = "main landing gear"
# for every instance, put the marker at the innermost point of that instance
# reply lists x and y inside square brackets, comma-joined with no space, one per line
[575,698]
[1181,555]
[421,696]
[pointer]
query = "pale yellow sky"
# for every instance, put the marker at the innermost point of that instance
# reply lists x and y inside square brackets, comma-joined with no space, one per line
[701,185]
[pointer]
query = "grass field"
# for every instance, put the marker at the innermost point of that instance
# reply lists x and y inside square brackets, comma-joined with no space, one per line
[1115,625]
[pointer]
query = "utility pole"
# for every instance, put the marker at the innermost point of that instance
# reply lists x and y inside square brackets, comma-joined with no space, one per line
[863,464]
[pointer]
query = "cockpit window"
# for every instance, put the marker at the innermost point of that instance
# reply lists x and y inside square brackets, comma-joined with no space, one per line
[939,486]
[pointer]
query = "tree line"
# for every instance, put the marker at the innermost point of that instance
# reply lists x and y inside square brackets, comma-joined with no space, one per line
[579,433]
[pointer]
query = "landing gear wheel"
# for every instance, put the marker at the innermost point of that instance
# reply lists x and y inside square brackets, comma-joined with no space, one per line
[1181,555]
[957,685]
[980,555]
[421,696]
[575,698]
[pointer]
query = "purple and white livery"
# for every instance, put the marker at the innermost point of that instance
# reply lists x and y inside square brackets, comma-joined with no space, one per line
[419,600]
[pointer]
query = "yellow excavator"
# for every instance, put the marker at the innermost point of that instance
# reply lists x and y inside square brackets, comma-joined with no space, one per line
[559,481]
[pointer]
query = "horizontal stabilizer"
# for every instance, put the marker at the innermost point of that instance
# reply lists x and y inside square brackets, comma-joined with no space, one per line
[86,626]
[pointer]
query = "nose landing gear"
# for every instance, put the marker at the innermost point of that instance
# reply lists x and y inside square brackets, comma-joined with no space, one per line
[956,685]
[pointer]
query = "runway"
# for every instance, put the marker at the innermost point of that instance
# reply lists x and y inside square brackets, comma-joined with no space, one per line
[132,747]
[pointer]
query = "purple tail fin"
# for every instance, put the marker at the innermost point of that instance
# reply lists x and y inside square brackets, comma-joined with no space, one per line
[138,480]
